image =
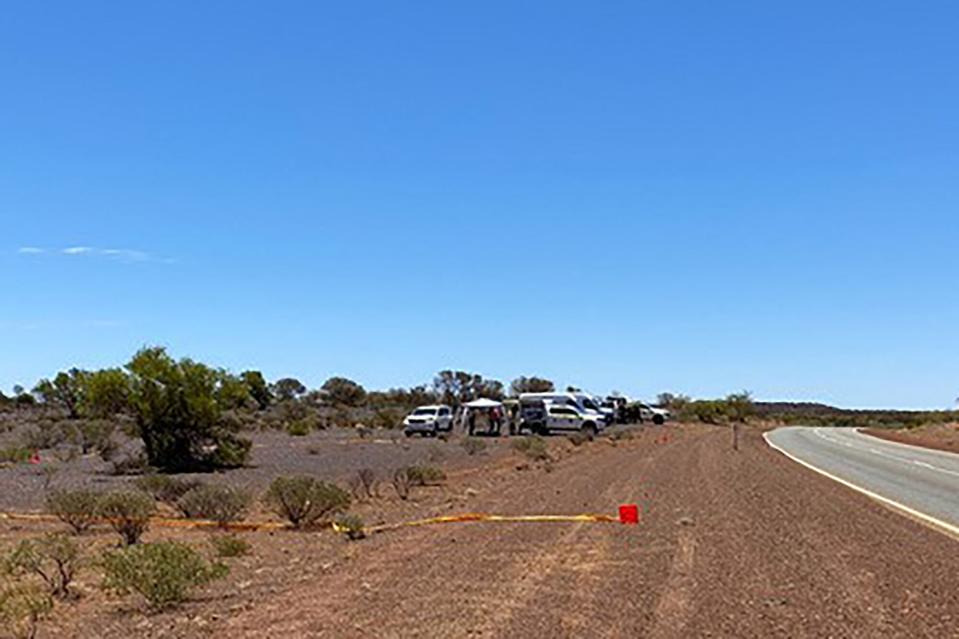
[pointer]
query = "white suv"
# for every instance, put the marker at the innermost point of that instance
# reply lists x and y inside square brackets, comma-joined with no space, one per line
[569,418]
[428,421]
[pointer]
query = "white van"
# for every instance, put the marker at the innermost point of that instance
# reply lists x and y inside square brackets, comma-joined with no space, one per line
[582,402]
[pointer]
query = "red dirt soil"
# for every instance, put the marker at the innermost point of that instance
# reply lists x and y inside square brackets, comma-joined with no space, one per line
[731,544]
[938,436]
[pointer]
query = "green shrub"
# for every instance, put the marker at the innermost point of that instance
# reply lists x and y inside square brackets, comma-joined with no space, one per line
[363,484]
[129,513]
[78,508]
[473,445]
[15,454]
[351,526]
[164,573]
[425,475]
[299,428]
[533,448]
[22,607]
[304,501]
[54,559]
[222,504]
[165,488]
[228,546]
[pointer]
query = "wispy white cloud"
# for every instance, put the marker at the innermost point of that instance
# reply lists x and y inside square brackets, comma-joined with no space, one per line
[116,254]
[77,250]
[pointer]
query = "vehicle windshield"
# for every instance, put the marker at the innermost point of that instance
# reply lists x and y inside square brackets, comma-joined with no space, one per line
[590,404]
[424,411]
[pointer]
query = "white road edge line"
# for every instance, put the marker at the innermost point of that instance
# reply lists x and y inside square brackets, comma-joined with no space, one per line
[929,519]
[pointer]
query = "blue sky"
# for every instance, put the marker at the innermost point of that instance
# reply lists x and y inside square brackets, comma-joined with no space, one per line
[698,197]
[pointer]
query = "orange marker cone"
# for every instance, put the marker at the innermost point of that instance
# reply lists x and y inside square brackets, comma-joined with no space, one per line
[629,514]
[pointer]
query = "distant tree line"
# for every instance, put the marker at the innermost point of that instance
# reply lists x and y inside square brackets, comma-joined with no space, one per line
[191,416]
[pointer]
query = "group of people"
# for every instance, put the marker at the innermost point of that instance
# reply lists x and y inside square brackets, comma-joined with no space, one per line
[486,419]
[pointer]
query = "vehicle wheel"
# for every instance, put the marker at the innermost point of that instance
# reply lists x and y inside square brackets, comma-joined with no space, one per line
[542,430]
[658,420]
[590,431]
[408,433]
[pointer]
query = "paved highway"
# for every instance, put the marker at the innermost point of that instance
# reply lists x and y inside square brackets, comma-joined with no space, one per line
[922,482]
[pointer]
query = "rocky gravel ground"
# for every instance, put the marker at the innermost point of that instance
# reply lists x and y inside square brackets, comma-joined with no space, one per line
[731,544]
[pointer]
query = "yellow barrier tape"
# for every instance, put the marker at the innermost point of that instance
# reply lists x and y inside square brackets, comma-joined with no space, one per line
[475,517]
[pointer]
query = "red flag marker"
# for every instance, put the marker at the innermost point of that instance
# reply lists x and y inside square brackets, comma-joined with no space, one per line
[629,514]
[35,458]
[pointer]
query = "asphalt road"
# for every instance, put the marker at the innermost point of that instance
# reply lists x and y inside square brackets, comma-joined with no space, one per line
[922,482]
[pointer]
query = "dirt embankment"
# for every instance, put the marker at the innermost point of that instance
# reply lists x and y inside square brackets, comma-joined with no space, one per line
[938,436]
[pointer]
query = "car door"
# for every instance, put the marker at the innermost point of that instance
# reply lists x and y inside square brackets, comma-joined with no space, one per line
[563,418]
[445,420]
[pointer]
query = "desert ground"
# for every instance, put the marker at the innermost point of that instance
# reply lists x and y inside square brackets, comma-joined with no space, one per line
[730,544]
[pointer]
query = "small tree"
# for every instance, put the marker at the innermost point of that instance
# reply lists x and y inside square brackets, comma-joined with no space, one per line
[54,559]
[303,501]
[79,509]
[105,393]
[288,388]
[258,388]
[65,391]
[533,384]
[179,413]
[343,391]
[128,512]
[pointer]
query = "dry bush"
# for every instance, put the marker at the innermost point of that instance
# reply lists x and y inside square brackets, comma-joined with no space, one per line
[228,546]
[166,488]
[473,445]
[401,483]
[304,501]
[363,484]
[578,438]
[425,475]
[79,508]
[222,504]
[163,573]
[22,607]
[129,512]
[351,526]
[533,448]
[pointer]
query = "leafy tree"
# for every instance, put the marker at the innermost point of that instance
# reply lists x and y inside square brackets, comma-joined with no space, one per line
[179,414]
[458,387]
[533,384]
[288,388]
[739,406]
[343,391]
[105,393]
[65,391]
[258,388]
[673,402]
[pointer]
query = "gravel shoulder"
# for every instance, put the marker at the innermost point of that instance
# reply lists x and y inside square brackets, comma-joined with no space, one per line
[744,544]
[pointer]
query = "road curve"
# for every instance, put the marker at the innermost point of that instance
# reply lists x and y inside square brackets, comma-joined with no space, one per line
[921,482]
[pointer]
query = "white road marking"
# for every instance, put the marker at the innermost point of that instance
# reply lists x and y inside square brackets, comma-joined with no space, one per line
[880,453]
[929,519]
